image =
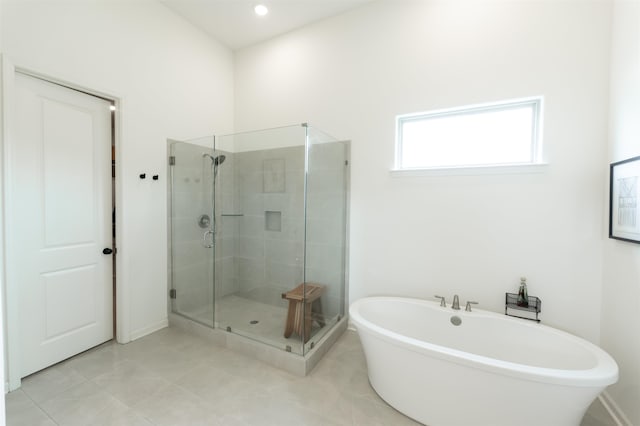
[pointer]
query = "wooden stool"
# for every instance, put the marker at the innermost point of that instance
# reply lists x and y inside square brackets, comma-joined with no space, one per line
[303,306]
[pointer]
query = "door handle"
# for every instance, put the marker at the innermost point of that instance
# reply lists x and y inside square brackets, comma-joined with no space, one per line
[107,251]
[208,243]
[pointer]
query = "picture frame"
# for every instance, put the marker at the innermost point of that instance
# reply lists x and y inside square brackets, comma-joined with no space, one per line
[624,200]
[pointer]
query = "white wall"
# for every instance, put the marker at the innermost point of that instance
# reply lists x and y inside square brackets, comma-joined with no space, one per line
[470,235]
[3,353]
[174,82]
[621,285]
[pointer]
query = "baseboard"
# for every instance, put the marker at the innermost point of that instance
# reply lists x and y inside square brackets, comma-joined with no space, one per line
[164,323]
[350,326]
[614,409]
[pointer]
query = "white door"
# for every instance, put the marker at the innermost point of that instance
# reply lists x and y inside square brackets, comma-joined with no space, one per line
[59,193]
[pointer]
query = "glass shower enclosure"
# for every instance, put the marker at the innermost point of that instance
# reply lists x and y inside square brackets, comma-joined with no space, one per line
[258,225]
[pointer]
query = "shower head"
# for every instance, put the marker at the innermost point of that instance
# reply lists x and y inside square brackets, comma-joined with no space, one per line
[217,160]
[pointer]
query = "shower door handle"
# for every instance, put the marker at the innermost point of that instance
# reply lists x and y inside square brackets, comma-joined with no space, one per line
[206,240]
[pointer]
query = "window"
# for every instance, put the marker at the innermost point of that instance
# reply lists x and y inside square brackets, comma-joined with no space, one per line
[505,133]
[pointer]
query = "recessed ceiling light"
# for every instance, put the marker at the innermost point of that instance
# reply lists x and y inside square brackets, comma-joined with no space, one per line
[261,10]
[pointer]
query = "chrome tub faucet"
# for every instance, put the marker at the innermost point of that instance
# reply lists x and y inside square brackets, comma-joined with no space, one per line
[456,303]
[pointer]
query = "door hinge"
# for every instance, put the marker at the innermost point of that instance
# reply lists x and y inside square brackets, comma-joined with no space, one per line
[346,162]
[172,160]
[172,293]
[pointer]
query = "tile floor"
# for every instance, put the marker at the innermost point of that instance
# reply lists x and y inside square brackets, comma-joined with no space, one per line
[174,378]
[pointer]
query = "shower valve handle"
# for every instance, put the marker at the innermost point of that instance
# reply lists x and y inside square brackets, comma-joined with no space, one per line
[206,241]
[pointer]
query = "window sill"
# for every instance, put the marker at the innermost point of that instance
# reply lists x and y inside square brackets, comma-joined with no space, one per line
[472,170]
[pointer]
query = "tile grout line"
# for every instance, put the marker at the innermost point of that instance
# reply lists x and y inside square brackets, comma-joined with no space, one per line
[39,407]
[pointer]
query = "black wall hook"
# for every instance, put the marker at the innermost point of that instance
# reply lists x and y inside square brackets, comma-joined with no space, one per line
[155,177]
[143,175]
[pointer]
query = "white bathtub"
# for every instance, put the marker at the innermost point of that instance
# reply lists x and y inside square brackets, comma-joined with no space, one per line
[490,370]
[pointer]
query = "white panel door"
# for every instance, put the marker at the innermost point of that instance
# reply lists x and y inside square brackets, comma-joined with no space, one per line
[60,221]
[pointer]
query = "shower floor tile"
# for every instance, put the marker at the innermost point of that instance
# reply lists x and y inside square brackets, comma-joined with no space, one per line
[208,385]
[241,313]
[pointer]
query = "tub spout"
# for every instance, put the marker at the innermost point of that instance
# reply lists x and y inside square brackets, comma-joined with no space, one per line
[456,303]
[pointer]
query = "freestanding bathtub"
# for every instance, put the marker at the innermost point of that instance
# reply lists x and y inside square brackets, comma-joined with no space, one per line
[489,370]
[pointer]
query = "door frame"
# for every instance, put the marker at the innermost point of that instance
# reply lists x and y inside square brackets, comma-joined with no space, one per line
[11,348]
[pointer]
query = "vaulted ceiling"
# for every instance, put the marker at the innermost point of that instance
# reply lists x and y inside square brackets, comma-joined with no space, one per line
[234,23]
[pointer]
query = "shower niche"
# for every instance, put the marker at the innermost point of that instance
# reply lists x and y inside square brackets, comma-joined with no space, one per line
[278,206]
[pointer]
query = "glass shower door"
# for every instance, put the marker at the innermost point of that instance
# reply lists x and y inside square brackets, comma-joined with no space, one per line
[191,230]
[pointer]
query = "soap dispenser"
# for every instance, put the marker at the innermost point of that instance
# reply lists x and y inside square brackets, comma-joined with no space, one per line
[523,297]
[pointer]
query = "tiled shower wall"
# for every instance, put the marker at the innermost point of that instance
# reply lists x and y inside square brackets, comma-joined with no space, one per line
[228,222]
[266,214]
[269,193]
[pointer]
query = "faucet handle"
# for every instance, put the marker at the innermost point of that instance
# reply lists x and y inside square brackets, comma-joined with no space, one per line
[442,302]
[468,307]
